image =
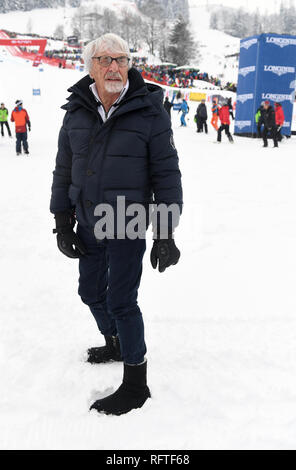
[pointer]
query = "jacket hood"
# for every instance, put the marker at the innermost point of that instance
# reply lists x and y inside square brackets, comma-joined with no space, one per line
[81,95]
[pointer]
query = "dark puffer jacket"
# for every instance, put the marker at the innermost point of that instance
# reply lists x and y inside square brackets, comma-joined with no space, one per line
[201,112]
[269,117]
[132,154]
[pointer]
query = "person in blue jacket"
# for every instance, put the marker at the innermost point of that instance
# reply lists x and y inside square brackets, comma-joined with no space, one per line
[184,110]
[116,141]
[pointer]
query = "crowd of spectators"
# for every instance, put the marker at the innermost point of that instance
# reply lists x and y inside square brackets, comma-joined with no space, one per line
[168,75]
[164,74]
[72,55]
[67,54]
[231,87]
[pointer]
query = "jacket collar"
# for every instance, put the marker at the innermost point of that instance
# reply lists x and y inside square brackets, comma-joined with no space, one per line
[81,95]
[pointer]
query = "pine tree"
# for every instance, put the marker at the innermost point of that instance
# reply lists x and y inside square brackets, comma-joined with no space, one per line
[109,21]
[154,12]
[289,20]
[256,27]
[59,32]
[172,8]
[182,47]
[214,20]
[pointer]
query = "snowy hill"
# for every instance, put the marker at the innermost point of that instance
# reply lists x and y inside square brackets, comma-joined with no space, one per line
[213,45]
[45,20]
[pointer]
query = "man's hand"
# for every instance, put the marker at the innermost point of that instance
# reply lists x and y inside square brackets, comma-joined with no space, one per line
[66,241]
[66,237]
[165,253]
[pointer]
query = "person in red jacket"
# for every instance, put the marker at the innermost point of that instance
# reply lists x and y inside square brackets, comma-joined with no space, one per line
[225,122]
[279,120]
[21,119]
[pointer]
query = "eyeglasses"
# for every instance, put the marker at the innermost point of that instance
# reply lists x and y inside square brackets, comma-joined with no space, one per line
[106,60]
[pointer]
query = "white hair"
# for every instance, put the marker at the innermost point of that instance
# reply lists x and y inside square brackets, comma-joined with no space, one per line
[108,42]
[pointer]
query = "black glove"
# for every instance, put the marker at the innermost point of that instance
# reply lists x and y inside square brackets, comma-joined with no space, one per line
[66,237]
[29,126]
[165,253]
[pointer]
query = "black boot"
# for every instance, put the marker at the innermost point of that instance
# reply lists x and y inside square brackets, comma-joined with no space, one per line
[109,352]
[132,393]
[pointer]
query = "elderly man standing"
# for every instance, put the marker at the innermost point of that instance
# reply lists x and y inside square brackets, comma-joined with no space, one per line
[116,140]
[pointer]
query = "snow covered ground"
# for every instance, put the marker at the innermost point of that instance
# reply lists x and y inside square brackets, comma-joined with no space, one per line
[220,325]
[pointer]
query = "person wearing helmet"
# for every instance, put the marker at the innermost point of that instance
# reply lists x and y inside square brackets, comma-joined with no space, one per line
[184,110]
[225,122]
[21,119]
[201,117]
[215,114]
[3,120]
[259,119]
[269,124]
[279,120]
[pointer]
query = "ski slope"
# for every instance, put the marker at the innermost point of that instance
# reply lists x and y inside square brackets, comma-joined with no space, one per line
[213,45]
[45,20]
[220,325]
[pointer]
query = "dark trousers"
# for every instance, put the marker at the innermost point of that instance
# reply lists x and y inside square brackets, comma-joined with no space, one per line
[272,133]
[224,127]
[279,136]
[202,124]
[110,275]
[259,126]
[21,137]
[5,123]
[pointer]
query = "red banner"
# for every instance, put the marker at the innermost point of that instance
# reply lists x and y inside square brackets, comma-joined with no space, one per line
[25,42]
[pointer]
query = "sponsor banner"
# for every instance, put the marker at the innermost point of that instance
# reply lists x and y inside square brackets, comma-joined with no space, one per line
[241,124]
[41,43]
[249,43]
[177,106]
[197,96]
[279,69]
[245,97]
[280,41]
[246,70]
[72,40]
[277,98]
[268,72]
